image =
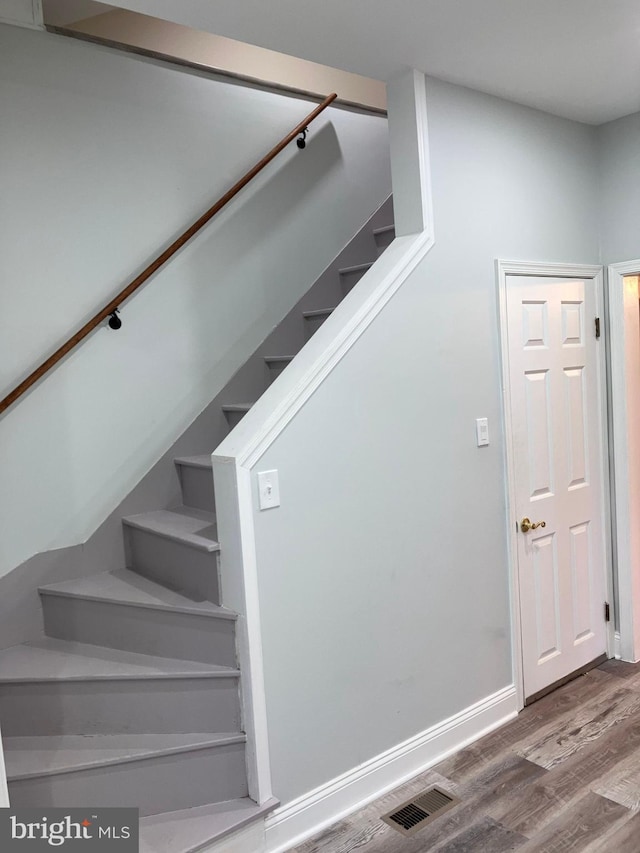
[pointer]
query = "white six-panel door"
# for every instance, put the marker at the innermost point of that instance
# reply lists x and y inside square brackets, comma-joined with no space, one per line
[556,446]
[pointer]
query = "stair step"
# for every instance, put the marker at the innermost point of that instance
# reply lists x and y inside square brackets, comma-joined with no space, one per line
[321,312]
[234,412]
[54,687]
[278,359]
[384,237]
[32,757]
[350,276]
[276,364]
[193,527]
[314,319]
[155,772]
[124,610]
[60,660]
[196,481]
[176,548]
[356,268]
[129,588]
[190,830]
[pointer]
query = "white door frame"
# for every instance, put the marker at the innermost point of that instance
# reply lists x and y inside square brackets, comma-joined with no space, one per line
[534,268]
[628,620]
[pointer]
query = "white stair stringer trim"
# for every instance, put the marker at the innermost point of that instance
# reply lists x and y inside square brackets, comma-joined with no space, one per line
[235,457]
[297,821]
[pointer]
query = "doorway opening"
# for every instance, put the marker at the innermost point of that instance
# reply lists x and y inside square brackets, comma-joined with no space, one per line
[558,513]
[623,281]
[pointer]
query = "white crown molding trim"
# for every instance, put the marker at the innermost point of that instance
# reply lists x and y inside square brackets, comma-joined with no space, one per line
[235,457]
[626,647]
[304,817]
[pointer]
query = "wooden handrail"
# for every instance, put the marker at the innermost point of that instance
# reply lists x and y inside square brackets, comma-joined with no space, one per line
[155,265]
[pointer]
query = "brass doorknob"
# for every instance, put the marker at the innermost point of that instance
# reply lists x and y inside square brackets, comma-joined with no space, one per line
[526,524]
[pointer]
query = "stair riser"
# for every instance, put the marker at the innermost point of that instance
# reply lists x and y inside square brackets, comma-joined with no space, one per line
[143,630]
[174,564]
[234,418]
[156,785]
[197,487]
[384,240]
[275,368]
[130,706]
[349,280]
[312,324]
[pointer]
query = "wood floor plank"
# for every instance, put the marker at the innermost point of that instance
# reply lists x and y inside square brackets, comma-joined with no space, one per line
[622,839]
[484,836]
[561,778]
[564,700]
[588,820]
[622,783]
[364,829]
[620,668]
[562,738]
[543,801]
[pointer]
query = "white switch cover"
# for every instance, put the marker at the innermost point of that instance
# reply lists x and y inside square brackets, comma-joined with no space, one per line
[268,489]
[482,431]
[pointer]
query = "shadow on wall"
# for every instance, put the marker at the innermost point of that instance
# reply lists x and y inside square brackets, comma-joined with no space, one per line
[224,279]
[259,210]
[274,202]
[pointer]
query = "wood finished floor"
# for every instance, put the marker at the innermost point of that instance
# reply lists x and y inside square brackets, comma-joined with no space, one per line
[564,776]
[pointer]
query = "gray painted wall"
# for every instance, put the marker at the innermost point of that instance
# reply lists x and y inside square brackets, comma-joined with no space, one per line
[620,189]
[106,157]
[383,576]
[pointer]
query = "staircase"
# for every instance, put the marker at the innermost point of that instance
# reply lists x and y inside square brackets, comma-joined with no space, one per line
[132,695]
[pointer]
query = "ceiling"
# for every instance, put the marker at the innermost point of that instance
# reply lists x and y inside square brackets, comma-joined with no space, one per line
[575,58]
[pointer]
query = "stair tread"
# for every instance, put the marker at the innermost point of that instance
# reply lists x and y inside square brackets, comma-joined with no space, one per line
[319,312]
[385,229]
[279,357]
[130,588]
[236,407]
[190,526]
[202,460]
[29,757]
[356,268]
[54,660]
[188,830]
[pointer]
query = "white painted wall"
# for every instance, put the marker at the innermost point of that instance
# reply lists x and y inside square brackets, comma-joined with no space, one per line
[619,155]
[107,157]
[383,577]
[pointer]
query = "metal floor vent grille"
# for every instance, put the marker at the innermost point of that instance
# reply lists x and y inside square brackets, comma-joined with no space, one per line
[417,812]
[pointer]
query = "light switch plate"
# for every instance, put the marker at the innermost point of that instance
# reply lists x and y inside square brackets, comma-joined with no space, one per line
[482,431]
[268,489]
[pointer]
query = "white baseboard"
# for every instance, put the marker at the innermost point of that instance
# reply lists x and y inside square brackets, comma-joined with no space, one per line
[297,821]
[616,646]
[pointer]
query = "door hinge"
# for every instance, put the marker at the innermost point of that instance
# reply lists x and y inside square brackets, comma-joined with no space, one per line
[607,612]
[597,327]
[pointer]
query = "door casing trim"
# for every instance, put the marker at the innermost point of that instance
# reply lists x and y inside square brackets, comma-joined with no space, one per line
[592,272]
[626,606]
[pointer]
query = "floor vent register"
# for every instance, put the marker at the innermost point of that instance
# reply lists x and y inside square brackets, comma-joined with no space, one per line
[417,812]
